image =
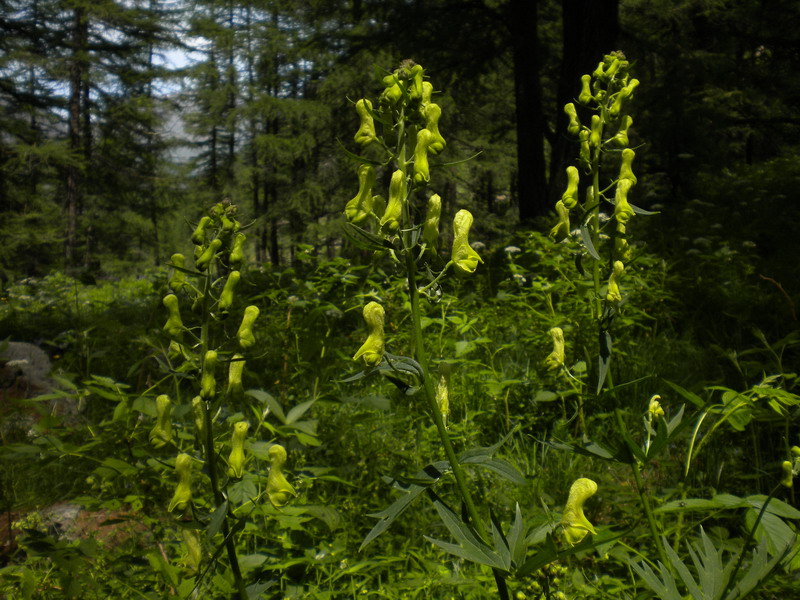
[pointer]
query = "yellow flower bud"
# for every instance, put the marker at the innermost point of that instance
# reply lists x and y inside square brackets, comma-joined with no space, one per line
[432,114]
[586,151]
[235,370]
[796,451]
[625,171]
[208,254]
[226,296]
[199,235]
[422,173]
[622,250]
[183,491]
[654,410]
[194,549]
[427,92]
[575,523]
[236,459]
[161,434]
[556,358]
[788,474]
[614,294]
[371,352]
[595,137]
[622,209]
[561,230]
[279,491]
[443,391]
[623,95]
[430,230]
[464,258]
[570,197]
[574,126]
[208,383]
[178,278]
[245,332]
[236,256]
[390,221]
[621,137]
[586,93]
[360,206]
[174,325]
[198,412]
[366,132]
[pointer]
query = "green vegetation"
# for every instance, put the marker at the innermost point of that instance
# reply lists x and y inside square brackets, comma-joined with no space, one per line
[370,341]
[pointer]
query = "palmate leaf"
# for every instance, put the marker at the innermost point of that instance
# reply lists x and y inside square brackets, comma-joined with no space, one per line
[469,546]
[713,576]
[411,491]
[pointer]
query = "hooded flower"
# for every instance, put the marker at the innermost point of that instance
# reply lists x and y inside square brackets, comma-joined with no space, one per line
[279,491]
[371,351]
[574,522]
[463,256]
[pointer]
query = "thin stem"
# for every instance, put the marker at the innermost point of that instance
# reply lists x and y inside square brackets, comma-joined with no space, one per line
[211,454]
[648,511]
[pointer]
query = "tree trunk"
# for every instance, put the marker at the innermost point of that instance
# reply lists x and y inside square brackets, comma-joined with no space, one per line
[531,186]
[590,29]
[74,179]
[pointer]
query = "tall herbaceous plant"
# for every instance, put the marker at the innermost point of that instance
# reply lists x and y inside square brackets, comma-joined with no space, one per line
[401,142]
[220,471]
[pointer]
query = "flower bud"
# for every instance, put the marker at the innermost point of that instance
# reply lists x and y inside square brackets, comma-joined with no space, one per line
[360,206]
[198,412]
[199,235]
[574,126]
[235,370]
[585,97]
[586,151]
[194,549]
[625,171]
[371,351]
[422,172]
[161,434]
[622,250]
[178,278]
[622,209]
[443,391]
[279,491]
[654,410]
[245,333]
[614,294]
[430,230]
[208,383]
[555,360]
[623,95]
[621,137]
[393,93]
[788,474]
[390,221]
[366,132]
[595,137]
[427,92]
[236,459]
[432,115]
[464,258]
[174,325]
[561,230]
[574,522]
[236,256]
[183,491]
[570,197]
[226,296]
[208,255]
[415,74]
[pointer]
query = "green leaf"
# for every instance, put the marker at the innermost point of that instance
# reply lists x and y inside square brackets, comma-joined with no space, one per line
[215,524]
[498,465]
[516,538]
[268,399]
[298,411]
[604,358]
[686,394]
[586,238]
[469,546]
[364,239]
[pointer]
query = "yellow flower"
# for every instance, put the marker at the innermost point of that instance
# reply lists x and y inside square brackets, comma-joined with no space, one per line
[614,294]
[279,491]
[574,522]
[463,256]
[654,409]
[371,351]
[556,358]
[236,459]
[183,491]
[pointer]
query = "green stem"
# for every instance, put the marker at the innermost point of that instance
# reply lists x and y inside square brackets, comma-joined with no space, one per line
[211,454]
[648,510]
[458,473]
